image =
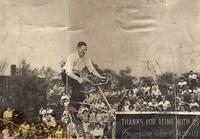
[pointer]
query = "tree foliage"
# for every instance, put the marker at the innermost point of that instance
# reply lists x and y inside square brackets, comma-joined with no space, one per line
[31,87]
[3,66]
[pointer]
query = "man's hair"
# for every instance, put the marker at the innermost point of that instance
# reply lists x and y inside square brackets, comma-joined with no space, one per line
[81,43]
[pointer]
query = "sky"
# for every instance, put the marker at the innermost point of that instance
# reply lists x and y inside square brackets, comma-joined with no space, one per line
[149,36]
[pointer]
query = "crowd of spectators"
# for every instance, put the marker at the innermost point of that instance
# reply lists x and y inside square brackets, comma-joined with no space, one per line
[95,118]
[45,127]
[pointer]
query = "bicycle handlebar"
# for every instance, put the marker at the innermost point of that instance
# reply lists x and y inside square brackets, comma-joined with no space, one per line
[98,84]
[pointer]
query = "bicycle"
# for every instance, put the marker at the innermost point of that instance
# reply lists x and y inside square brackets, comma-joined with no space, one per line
[94,86]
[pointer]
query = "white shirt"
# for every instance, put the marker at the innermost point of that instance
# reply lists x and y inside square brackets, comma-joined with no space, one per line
[49,111]
[75,63]
[182,83]
[5,133]
[193,76]
[165,104]
[42,112]
[97,132]
[99,117]
[194,104]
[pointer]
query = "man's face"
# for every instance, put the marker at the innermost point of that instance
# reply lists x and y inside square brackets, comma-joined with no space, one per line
[82,51]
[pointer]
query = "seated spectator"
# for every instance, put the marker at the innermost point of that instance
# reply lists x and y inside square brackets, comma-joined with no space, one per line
[5,132]
[99,117]
[49,111]
[146,89]
[135,89]
[126,105]
[16,132]
[186,94]
[33,130]
[8,114]
[131,108]
[153,103]
[24,129]
[194,109]
[59,132]
[193,104]
[40,133]
[92,116]
[50,121]
[64,98]
[180,101]
[182,84]
[82,108]
[170,90]
[99,103]
[198,94]
[165,104]
[97,133]
[181,108]
[42,113]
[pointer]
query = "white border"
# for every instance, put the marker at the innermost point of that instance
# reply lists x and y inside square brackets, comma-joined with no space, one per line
[167,112]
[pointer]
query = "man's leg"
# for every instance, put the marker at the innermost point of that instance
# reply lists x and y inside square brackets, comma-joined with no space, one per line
[76,95]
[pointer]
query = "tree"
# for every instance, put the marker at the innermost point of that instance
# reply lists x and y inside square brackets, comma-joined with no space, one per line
[125,78]
[165,80]
[3,66]
[146,80]
[29,89]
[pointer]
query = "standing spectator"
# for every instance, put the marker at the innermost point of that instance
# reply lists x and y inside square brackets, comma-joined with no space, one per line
[192,80]
[108,130]
[155,91]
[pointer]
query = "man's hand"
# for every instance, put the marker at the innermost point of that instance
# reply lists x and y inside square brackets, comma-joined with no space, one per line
[80,81]
[84,80]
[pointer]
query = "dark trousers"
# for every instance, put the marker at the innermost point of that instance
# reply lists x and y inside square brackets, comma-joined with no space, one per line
[76,94]
[193,84]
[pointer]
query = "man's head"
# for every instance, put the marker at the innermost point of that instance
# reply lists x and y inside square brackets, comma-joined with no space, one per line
[163,98]
[82,48]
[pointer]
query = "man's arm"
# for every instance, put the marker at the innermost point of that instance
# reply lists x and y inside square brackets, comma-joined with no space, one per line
[92,69]
[95,73]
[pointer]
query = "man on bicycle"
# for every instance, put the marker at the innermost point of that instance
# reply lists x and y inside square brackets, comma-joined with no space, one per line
[75,63]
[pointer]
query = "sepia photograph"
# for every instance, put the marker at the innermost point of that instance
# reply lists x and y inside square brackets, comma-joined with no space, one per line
[99,69]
